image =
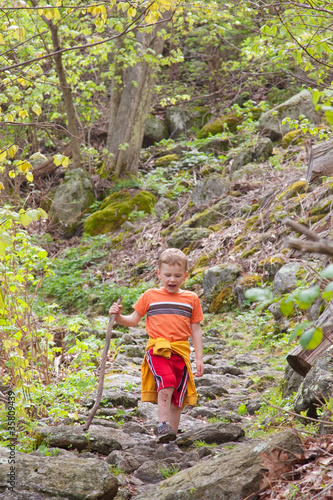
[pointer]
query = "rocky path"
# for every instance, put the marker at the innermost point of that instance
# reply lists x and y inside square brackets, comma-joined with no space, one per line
[211,458]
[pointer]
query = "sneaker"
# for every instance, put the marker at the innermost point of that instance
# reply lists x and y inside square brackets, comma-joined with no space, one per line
[165,433]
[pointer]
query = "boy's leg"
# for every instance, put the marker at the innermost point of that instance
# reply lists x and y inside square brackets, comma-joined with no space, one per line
[174,418]
[164,403]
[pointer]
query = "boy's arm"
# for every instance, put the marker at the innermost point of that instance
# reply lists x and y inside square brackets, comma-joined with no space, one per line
[197,342]
[130,320]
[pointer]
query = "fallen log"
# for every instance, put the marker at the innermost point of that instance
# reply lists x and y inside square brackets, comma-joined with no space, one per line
[320,161]
[48,166]
[302,360]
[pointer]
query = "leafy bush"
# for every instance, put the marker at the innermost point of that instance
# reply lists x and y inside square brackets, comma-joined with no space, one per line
[76,281]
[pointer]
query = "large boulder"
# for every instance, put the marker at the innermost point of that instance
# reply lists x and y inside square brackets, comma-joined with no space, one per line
[215,278]
[101,439]
[235,475]
[116,209]
[317,386]
[262,150]
[285,280]
[71,200]
[63,477]
[180,121]
[209,189]
[219,125]
[155,131]
[218,145]
[270,123]
[184,236]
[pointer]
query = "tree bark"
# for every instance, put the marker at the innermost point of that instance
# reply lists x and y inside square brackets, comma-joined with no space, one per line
[66,92]
[321,161]
[129,106]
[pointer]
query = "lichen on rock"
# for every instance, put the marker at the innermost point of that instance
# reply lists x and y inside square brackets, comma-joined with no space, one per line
[115,210]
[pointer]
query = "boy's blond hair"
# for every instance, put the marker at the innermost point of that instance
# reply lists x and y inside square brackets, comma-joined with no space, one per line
[173,256]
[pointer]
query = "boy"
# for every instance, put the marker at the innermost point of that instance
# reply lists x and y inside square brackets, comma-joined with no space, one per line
[173,315]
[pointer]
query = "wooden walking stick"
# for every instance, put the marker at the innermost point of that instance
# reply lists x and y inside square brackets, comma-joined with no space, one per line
[102,371]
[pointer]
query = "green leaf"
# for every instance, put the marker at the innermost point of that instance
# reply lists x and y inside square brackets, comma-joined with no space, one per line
[2,302]
[6,239]
[287,305]
[299,329]
[328,292]
[25,219]
[316,96]
[43,213]
[327,272]
[33,214]
[310,339]
[258,294]
[242,410]
[305,298]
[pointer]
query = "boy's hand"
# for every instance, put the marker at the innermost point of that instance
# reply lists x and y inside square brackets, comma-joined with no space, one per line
[200,369]
[115,309]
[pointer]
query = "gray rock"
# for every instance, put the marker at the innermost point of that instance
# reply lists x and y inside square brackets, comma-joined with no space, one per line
[215,277]
[247,360]
[276,311]
[217,145]
[132,351]
[184,236]
[243,158]
[63,477]
[125,461]
[71,200]
[180,120]
[317,386]
[112,397]
[134,428]
[217,478]
[286,278]
[164,206]
[260,152]
[212,433]
[291,382]
[155,131]
[270,123]
[263,149]
[212,392]
[209,189]
[98,438]
[150,472]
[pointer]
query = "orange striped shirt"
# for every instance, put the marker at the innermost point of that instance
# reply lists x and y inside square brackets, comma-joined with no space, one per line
[169,315]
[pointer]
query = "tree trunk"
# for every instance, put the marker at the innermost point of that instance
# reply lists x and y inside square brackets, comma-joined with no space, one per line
[66,92]
[130,105]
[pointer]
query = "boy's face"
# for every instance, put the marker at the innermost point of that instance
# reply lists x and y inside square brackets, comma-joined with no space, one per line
[172,277]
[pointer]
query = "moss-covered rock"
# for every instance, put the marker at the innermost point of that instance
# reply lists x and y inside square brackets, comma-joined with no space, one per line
[322,206]
[271,265]
[218,145]
[294,137]
[165,160]
[115,210]
[181,121]
[244,283]
[210,188]
[228,122]
[224,301]
[184,236]
[292,190]
[210,216]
